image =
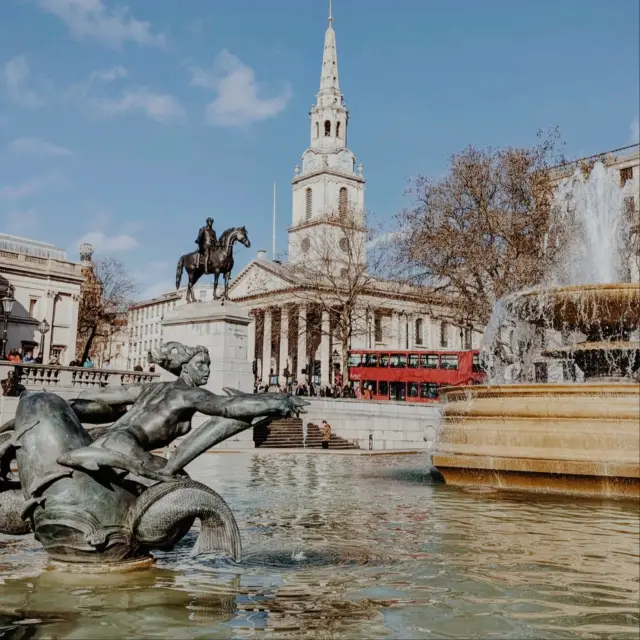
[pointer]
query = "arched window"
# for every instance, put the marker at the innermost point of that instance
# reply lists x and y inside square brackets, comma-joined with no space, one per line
[317,129]
[338,130]
[343,202]
[308,205]
[444,338]
[419,339]
[327,128]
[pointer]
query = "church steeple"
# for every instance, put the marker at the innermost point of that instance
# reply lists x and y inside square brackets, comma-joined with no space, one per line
[329,82]
[329,116]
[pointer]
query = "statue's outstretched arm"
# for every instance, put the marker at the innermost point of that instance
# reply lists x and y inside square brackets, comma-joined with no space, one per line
[246,407]
[126,394]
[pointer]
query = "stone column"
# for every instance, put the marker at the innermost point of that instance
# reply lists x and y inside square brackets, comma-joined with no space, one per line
[302,342]
[325,350]
[251,340]
[284,343]
[394,341]
[266,346]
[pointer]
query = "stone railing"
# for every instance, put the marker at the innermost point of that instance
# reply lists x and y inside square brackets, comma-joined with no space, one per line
[52,377]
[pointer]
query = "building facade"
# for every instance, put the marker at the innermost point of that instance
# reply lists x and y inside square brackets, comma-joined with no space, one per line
[293,334]
[144,322]
[46,287]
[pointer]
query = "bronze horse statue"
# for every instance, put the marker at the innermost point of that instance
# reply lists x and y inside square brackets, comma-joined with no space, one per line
[220,262]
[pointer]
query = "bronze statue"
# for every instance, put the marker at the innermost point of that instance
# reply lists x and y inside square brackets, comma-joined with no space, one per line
[206,241]
[219,260]
[100,495]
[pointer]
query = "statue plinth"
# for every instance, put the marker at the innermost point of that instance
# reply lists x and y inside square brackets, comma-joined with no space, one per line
[224,330]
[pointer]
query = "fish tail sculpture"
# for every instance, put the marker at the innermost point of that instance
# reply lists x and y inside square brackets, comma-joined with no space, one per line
[97,516]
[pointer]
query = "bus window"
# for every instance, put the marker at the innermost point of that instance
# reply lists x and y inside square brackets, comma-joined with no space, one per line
[383,388]
[429,361]
[398,360]
[398,390]
[384,360]
[424,390]
[412,389]
[370,383]
[476,367]
[449,361]
[413,361]
[433,392]
[355,359]
[371,360]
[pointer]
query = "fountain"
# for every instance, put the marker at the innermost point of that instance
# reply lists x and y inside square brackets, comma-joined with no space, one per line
[580,436]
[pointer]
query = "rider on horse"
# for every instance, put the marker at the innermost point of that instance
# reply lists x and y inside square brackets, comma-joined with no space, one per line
[206,241]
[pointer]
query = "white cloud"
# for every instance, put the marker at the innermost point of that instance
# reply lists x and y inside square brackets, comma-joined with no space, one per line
[38,147]
[25,189]
[238,100]
[16,77]
[635,132]
[22,223]
[157,106]
[108,75]
[92,19]
[102,242]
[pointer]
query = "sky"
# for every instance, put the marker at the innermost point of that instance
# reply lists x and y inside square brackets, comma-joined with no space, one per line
[126,124]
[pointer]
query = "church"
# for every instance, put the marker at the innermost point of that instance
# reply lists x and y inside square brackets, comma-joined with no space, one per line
[326,299]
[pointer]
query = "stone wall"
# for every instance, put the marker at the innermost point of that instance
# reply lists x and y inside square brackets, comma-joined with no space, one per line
[392,425]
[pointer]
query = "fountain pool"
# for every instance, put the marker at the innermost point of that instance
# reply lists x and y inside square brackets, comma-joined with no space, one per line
[339,546]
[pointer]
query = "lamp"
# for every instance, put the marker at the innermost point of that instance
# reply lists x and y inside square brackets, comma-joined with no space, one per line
[6,302]
[43,328]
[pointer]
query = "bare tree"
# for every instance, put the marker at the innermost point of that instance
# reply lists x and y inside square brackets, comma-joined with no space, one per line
[345,263]
[484,230]
[105,298]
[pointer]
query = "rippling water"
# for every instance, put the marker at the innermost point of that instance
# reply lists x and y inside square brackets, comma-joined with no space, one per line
[354,547]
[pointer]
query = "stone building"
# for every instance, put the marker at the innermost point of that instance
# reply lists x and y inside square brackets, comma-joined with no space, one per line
[292,331]
[144,322]
[46,286]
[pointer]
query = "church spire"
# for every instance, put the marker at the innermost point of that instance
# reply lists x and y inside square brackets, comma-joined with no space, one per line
[329,78]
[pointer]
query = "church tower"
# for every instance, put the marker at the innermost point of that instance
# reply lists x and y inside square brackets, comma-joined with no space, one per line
[328,185]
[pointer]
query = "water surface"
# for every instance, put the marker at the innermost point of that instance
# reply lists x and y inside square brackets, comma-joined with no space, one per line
[339,546]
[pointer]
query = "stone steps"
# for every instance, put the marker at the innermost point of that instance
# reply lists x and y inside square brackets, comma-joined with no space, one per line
[289,434]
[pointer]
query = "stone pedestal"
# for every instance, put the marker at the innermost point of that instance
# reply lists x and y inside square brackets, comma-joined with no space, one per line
[223,329]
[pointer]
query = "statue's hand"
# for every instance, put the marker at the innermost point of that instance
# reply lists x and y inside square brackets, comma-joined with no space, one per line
[289,406]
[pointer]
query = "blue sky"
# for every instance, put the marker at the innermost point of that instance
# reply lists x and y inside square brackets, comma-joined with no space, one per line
[129,123]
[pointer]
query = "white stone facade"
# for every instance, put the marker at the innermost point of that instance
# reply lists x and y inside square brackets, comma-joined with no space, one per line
[46,286]
[329,185]
[145,321]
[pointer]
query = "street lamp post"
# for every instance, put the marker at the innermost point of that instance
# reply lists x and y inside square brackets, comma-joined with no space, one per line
[6,301]
[44,329]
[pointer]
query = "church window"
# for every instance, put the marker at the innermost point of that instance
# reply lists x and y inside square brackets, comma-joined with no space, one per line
[317,130]
[327,128]
[344,244]
[338,130]
[306,244]
[419,339]
[343,202]
[444,339]
[308,203]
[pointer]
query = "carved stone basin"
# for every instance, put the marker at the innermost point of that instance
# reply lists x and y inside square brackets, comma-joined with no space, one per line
[600,309]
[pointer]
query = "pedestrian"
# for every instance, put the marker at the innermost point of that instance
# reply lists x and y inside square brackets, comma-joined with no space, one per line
[326,434]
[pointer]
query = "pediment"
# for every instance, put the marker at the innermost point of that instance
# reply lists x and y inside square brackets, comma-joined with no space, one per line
[257,279]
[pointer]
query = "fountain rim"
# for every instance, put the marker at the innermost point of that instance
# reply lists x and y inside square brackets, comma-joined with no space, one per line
[535,389]
[581,288]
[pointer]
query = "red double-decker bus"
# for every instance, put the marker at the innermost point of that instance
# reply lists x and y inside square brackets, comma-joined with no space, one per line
[413,376]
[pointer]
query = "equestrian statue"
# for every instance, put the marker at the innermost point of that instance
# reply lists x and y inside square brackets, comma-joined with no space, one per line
[100,496]
[213,256]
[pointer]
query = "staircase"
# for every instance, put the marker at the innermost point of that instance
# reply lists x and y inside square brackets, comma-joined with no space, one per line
[288,434]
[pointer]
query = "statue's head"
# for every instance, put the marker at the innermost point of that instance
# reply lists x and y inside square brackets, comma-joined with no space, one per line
[209,222]
[190,363]
[242,237]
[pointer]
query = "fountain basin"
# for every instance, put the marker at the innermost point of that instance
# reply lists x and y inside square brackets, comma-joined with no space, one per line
[580,439]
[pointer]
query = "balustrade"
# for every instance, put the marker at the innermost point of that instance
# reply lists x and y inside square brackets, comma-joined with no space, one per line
[52,377]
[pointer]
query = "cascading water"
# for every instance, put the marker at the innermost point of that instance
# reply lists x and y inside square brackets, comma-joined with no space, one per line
[591,209]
